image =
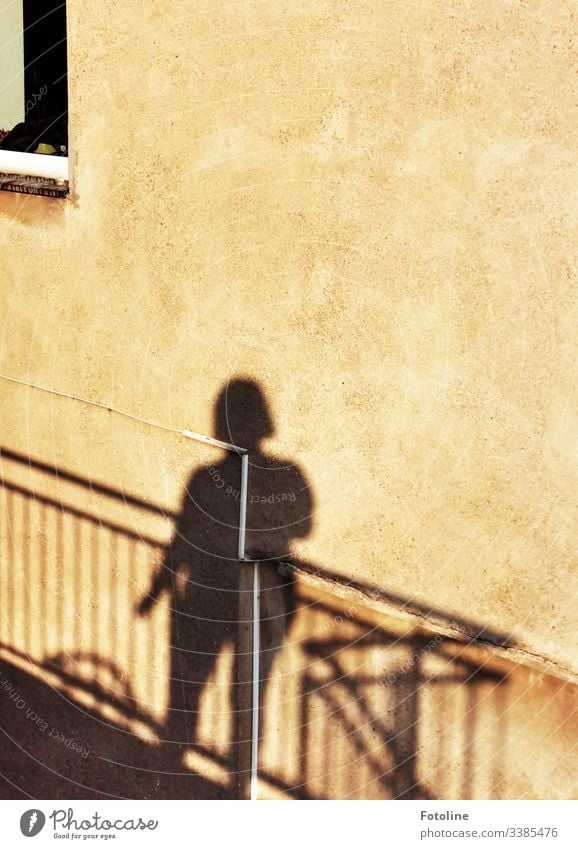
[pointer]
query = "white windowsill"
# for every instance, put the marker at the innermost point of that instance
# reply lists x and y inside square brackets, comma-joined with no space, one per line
[34,174]
[34,165]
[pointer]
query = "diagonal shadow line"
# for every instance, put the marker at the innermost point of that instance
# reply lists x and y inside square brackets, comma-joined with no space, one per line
[93,486]
[79,514]
[337,583]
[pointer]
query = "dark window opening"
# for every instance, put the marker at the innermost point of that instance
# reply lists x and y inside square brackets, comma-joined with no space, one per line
[44,128]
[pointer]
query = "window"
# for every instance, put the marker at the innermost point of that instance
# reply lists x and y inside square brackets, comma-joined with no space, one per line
[33,97]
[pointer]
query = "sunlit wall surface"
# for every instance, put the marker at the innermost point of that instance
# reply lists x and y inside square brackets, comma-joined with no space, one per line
[368,211]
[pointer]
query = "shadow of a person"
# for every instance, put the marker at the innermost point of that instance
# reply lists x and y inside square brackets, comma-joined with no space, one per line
[210,594]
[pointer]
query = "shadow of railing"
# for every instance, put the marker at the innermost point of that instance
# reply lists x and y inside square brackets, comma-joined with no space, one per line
[353,708]
[379,711]
[69,578]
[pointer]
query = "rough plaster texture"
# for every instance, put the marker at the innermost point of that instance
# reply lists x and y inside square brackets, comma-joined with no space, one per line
[370,209]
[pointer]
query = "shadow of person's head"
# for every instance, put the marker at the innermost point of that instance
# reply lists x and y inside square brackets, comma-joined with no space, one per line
[242,414]
[280,501]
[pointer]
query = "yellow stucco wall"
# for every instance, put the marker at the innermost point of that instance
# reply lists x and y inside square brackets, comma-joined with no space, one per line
[370,209]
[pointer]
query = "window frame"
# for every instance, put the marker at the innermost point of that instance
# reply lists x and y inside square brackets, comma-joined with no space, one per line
[26,172]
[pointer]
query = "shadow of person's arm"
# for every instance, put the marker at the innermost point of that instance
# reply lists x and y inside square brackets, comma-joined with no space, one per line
[164,579]
[160,583]
[175,555]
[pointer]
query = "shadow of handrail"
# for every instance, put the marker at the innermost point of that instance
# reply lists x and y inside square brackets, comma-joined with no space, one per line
[334,583]
[297,569]
[92,486]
